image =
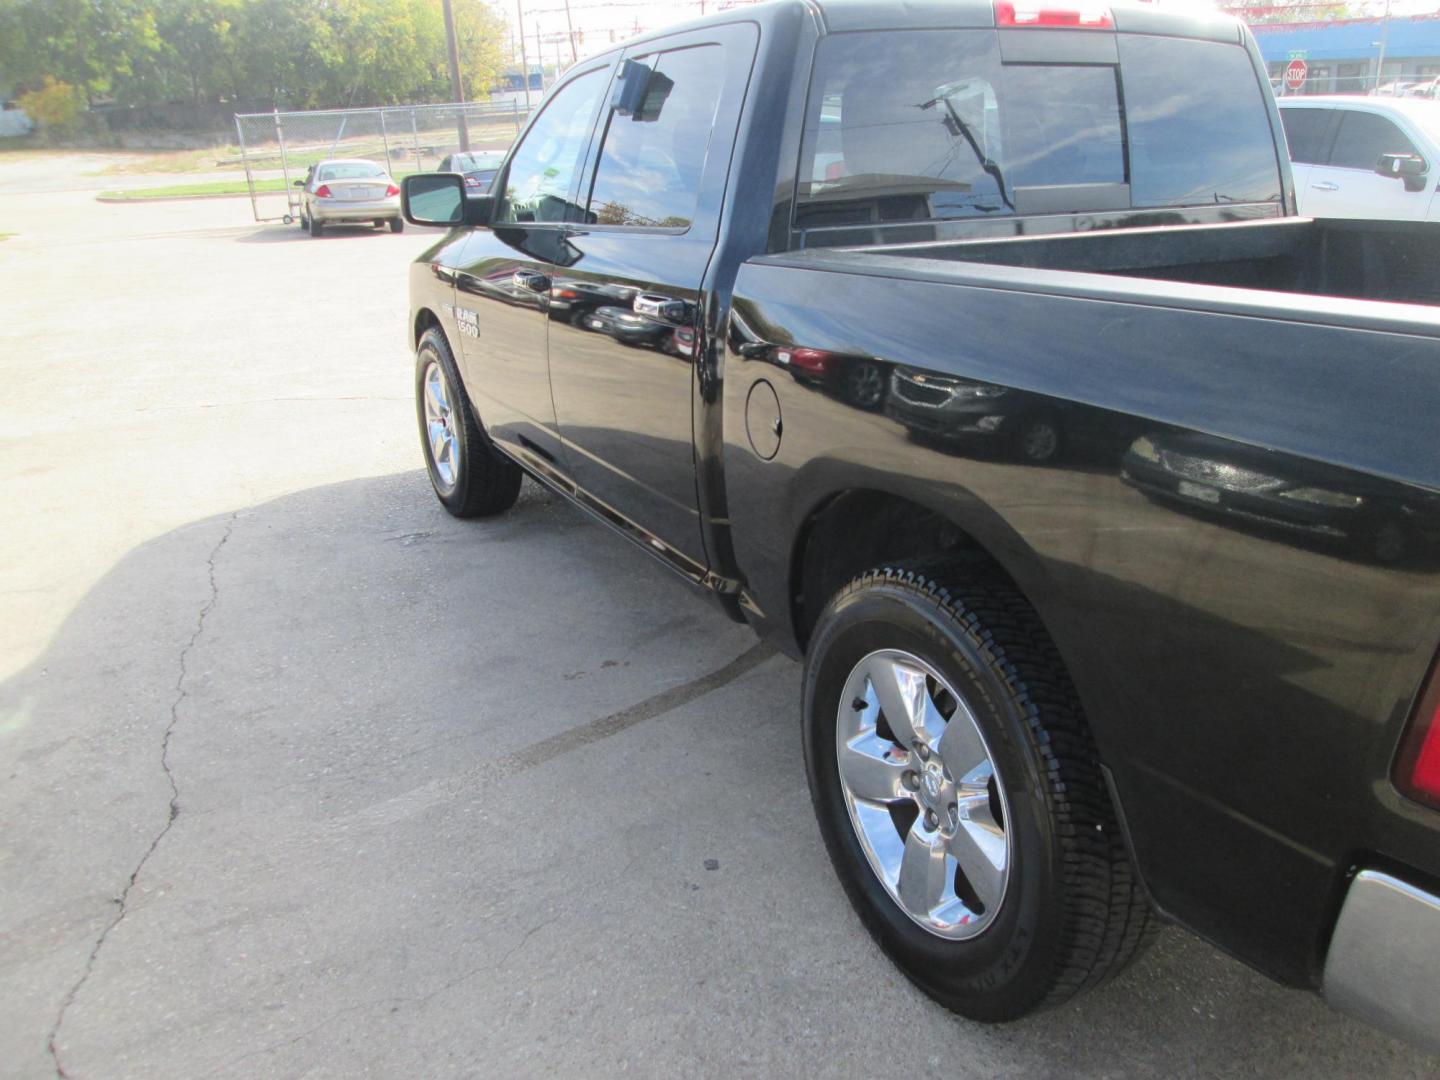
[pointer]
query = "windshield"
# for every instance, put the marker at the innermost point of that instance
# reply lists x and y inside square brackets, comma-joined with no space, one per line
[349,170]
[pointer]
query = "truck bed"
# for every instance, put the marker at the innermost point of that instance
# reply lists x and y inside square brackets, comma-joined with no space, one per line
[1368,260]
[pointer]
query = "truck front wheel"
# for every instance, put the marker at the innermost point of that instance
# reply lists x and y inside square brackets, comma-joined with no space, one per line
[959,792]
[470,477]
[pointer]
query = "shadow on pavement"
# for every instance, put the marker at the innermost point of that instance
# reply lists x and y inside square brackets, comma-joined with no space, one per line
[497,792]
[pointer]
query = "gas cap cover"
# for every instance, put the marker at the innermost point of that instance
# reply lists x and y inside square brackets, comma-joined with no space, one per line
[762,420]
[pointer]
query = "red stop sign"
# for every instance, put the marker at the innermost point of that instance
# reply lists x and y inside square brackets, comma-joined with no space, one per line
[1295,73]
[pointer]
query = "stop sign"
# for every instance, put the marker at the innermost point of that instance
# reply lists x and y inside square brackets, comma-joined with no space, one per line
[1295,73]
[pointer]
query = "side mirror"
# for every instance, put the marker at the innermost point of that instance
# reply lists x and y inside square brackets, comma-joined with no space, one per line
[440,199]
[1410,168]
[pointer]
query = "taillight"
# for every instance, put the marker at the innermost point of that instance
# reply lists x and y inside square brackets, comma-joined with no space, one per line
[1417,768]
[815,361]
[1074,18]
[323,191]
[392,190]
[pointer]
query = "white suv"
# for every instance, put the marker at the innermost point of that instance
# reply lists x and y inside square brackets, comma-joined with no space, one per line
[1364,157]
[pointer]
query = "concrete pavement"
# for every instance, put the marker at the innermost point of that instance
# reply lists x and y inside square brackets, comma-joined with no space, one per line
[301,777]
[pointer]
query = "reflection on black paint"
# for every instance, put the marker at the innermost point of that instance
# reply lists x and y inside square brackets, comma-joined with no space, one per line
[1289,497]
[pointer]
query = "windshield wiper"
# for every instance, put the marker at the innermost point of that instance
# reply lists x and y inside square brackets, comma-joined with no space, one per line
[956,126]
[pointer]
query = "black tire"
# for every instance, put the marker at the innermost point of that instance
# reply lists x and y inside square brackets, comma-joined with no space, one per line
[1073,912]
[316,229]
[397,224]
[485,482]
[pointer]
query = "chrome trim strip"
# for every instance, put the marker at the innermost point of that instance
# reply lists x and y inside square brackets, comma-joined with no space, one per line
[1384,960]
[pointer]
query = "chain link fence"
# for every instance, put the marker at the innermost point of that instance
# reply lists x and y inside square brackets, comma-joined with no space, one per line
[276,148]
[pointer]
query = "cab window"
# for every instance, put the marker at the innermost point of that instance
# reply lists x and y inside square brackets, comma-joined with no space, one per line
[652,160]
[1305,131]
[1363,137]
[541,176]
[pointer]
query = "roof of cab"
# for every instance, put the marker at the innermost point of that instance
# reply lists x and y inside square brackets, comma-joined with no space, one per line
[842,16]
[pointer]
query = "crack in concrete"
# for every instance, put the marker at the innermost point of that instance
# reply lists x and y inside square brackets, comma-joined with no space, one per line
[122,901]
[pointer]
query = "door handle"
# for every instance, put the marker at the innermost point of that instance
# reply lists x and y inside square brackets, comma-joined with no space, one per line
[662,307]
[1326,186]
[529,279]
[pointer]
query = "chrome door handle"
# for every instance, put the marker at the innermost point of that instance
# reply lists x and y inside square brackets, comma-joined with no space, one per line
[1326,186]
[662,307]
[528,279]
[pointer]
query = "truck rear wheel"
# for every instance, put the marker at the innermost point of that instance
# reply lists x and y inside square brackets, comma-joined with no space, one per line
[470,477]
[959,792]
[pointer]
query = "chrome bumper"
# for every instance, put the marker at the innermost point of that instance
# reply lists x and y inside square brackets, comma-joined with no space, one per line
[1384,962]
[369,210]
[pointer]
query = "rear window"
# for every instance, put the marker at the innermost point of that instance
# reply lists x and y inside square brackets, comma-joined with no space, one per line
[1198,123]
[350,170]
[906,126]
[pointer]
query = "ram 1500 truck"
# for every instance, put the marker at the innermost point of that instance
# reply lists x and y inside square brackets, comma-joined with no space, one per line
[973,353]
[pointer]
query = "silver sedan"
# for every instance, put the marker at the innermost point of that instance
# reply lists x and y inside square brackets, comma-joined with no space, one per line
[348,192]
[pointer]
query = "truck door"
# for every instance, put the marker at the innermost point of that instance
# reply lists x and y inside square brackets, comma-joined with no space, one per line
[503,279]
[1347,185]
[625,306]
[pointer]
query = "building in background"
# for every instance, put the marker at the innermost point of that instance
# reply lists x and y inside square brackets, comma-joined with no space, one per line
[1343,55]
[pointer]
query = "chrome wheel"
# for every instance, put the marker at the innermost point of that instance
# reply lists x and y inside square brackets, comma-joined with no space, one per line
[440,425]
[923,794]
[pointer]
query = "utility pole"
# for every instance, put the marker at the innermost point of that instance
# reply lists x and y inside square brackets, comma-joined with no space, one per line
[453,51]
[524,62]
[574,55]
[1384,37]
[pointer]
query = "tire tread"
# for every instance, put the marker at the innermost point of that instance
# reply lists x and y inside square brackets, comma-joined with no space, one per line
[1107,918]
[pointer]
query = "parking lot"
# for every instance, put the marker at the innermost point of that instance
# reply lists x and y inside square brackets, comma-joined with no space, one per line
[304,778]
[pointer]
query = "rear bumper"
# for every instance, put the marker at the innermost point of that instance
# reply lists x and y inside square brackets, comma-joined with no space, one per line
[1384,960]
[371,210]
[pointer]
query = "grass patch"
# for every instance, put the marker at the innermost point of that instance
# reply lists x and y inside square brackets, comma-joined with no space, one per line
[213,187]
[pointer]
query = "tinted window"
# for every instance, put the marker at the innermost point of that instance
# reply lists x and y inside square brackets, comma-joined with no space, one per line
[1363,137]
[915,126]
[1305,132]
[1198,124]
[652,160]
[542,172]
[1061,125]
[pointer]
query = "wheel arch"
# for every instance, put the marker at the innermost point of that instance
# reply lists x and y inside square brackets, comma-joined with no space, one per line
[424,320]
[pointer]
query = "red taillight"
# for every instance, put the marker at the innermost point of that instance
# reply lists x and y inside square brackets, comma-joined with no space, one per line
[1417,769]
[1074,18]
[815,361]
[323,191]
[392,190]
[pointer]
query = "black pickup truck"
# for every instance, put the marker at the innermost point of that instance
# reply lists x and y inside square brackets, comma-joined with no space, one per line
[973,353]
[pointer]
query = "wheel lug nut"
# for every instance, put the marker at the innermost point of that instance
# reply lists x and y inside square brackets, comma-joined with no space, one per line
[954,812]
[931,821]
[923,751]
[910,780]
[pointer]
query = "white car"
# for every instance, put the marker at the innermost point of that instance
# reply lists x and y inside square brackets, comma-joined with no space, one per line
[1364,157]
[348,192]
